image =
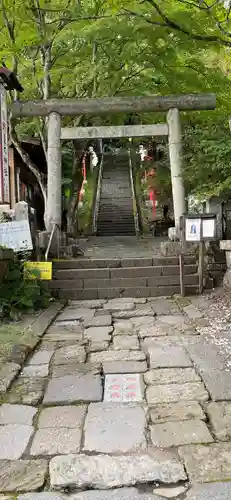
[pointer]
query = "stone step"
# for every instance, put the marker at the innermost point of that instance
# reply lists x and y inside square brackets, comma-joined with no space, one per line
[86,263]
[123,272]
[191,279]
[111,293]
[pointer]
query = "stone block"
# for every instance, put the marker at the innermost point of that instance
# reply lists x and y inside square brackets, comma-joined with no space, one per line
[220,419]
[17,414]
[8,372]
[171,376]
[162,306]
[209,463]
[173,412]
[136,272]
[55,441]
[71,354]
[111,356]
[136,262]
[62,416]
[115,494]
[97,346]
[86,304]
[81,314]
[118,304]
[121,342]
[14,439]
[185,432]
[214,491]
[105,471]
[98,334]
[97,321]
[133,313]
[41,358]
[172,492]
[35,371]
[169,356]
[125,367]
[218,383]
[114,428]
[172,393]
[22,475]
[192,312]
[75,369]
[124,327]
[73,388]
[27,391]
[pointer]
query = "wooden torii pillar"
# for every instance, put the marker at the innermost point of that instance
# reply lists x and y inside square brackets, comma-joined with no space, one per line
[55,108]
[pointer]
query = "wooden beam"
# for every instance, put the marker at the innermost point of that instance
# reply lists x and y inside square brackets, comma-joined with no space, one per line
[114,132]
[74,107]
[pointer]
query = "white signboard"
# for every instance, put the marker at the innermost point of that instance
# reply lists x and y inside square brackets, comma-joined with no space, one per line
[16,235]
[193,229]
[208,228]
[4,160]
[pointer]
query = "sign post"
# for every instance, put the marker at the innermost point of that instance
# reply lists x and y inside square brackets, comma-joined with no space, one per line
[197,228]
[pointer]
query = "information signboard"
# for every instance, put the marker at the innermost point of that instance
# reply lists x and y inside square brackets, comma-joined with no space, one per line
[39,270]
[16,235]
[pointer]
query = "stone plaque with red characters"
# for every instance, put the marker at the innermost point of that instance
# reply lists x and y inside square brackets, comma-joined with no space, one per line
[123,388]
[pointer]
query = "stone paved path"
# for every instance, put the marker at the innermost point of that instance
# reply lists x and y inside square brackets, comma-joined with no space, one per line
[123,399]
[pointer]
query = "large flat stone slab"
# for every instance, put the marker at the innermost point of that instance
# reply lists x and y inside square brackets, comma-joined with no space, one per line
[123,355]
[78,313]
[170,412]
[214,491]
[22,475]
[121,342]
[125,367]
[87,304]
[98,334]
[105,471]
[73,388]
[171,393]
[62,416]
[114,428]
[192,312]
[206,356]
[124,327]
[220,419]
[180,433]
[69,354]
[14,439]
[17,414]
[123,388]
[55,441]
[169,356]
[206,464]
[171,376]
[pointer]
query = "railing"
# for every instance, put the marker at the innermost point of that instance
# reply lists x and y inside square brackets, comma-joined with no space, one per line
[55,228]
[97,198]
[134,203]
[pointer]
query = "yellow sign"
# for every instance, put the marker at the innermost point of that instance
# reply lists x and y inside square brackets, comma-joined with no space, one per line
[39,270]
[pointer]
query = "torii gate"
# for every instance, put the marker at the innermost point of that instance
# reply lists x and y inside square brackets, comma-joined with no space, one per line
[55,108]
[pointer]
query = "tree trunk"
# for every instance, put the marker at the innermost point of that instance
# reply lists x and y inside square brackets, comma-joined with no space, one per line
[77,179]
[28,162]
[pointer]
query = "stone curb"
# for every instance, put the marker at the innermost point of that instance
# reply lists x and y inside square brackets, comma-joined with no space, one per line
[10,369]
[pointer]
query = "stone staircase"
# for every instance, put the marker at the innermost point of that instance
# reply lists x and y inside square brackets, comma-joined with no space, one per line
[115,215]
[86,278]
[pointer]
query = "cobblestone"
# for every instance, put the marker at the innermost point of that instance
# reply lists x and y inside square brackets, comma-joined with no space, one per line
[121,342]
[206,464]
[171,376]
[176,392]
[185,410]
[73,388]
[17,414]
[22,475]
